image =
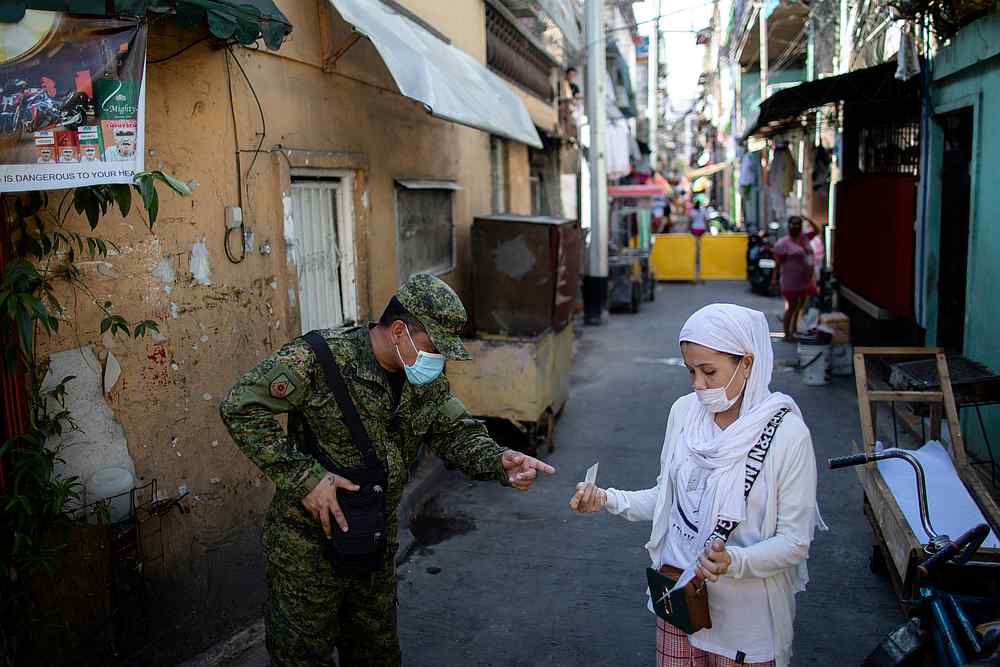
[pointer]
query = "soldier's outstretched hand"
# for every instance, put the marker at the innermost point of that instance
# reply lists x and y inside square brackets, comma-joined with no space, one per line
[523,469]
[322,501]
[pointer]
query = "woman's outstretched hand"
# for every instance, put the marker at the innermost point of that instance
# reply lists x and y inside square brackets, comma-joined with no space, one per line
[588,498]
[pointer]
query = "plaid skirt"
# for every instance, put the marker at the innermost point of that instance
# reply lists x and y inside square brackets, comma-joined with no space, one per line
[674,650]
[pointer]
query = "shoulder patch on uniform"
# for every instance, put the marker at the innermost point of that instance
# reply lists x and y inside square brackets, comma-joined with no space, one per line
[453,408]
[281,386]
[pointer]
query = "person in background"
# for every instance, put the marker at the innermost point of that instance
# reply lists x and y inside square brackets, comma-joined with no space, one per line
[814,234]
[795,261]
[698,227]
[574,87]
[712,434]
[661,206]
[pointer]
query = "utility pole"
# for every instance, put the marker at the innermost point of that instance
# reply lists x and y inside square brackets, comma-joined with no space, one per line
[654,88]
[763,53]
[595,278]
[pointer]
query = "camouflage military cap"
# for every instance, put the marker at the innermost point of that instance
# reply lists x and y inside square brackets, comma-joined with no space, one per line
[439,309]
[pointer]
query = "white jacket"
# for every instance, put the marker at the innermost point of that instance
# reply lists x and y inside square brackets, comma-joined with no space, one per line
[788,518]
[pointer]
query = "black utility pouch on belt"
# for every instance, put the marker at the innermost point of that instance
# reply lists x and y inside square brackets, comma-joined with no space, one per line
[363,547]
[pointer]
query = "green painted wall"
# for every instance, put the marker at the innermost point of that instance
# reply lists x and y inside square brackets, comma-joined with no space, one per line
[967,74]
[750,87]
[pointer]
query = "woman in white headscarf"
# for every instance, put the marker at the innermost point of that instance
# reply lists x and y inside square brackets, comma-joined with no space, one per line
[753,577]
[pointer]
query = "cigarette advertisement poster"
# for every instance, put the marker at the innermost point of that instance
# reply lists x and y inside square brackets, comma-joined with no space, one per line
[71,105]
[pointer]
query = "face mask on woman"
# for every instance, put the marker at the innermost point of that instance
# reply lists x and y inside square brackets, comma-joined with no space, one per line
[426,368]
[715,400]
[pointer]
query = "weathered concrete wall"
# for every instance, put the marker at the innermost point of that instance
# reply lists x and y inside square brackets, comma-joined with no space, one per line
[214,328]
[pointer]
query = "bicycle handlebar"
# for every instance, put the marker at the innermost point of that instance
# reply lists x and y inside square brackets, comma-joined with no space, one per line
[894,453]
[847,461]
[958,551]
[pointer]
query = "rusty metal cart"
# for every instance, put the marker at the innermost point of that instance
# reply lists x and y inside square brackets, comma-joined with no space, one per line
[525,280]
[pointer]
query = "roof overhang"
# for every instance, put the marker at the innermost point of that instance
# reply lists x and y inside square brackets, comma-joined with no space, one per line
[785,25]
[243,20]
[450,83]
[872,85]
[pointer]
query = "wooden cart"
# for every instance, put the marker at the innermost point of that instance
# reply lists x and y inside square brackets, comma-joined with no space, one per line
[896,543]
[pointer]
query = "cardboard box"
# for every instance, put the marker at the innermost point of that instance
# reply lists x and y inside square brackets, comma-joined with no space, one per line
[840,324]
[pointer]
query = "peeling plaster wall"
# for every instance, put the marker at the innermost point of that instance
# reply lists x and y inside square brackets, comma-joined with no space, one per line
[218,319]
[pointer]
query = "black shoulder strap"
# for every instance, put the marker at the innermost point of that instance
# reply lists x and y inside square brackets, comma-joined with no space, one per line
[757,455]
[335,382]
[755,463]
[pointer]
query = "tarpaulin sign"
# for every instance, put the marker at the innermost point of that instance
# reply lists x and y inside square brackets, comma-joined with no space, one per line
[71,104]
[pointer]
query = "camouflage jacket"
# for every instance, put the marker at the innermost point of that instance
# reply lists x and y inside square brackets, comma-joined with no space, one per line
[292,381]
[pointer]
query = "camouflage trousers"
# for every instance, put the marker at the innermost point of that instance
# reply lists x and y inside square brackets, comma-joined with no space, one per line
[312,609]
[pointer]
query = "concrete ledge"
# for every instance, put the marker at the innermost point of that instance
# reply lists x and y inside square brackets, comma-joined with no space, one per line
[420,489]
[226,650]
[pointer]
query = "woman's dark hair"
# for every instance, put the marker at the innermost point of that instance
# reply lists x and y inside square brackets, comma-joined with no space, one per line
[396,311]
[794,220]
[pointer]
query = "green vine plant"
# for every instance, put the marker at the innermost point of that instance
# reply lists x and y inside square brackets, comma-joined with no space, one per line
[44,251]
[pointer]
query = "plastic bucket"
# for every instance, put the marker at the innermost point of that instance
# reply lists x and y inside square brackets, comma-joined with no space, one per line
[814,358]
[113,485]
[842,359]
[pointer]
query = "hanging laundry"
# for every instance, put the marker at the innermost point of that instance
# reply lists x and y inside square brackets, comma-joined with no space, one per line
[783,170]
[780,181]
[748,170]
[617,149]
[907,59]
[821,169]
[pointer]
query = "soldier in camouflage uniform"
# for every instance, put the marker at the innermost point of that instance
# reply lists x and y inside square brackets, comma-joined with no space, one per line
[312,607]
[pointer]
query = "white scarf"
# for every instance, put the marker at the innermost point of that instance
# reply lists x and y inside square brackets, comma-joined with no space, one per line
[741,331]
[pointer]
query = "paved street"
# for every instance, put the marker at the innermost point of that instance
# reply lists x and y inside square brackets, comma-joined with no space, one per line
[528,582]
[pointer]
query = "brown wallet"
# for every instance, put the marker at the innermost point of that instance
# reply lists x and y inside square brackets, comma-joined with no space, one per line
[696,597]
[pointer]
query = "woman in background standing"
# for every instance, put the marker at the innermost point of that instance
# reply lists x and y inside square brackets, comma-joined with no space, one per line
[795,261]
[814,234]
[698,226]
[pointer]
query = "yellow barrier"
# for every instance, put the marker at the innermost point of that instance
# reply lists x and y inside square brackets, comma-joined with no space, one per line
[672,257]
[723,257]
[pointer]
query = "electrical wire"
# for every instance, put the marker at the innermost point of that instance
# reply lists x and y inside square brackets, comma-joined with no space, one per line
[588,45]
[239,173]
[260,109]
[174,55]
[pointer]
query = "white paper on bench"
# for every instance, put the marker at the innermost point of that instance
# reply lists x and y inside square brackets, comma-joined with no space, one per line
[952,509]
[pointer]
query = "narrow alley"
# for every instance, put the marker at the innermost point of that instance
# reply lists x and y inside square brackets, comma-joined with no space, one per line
[534,583]
[291,290]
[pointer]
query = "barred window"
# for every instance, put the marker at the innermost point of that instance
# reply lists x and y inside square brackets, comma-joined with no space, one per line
[425,227]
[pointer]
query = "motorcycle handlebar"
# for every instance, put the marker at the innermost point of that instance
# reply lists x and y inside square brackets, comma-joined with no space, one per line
[967,545]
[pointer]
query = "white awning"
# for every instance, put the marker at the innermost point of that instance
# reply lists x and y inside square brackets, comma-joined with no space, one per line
[450,83]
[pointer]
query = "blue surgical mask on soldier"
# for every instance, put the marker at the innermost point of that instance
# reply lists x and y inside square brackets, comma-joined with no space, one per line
[715,400]
[426,368]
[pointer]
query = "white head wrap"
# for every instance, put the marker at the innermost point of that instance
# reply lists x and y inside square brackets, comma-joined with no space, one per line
[740,331]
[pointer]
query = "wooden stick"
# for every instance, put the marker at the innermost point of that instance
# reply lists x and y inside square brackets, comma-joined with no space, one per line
[906,396]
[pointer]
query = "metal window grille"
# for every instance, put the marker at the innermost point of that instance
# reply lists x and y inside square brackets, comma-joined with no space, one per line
[425,230]
[889,148]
